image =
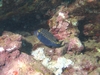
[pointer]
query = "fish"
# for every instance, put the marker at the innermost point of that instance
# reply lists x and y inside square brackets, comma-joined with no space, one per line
[47,38]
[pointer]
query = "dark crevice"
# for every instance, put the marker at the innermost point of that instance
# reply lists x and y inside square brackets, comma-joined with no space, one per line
[81,24]
[27,23]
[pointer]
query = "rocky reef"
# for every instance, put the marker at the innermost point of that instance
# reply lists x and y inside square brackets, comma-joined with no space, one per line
[74,23]
[13,61]
[9,47]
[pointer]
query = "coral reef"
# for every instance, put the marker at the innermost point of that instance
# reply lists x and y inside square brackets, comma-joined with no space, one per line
[16,8]
[74,23]
[83,65]
[64,26]
[75,45]
[9,47]
[56,66]
[92,31]
[59,24]
[65,29]
[15,62]
[24,65]
[92,45]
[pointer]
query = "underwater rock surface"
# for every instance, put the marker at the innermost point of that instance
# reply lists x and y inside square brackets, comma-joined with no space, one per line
[75,22]
[17,8]
[9,47]
[24,65]
[15,62]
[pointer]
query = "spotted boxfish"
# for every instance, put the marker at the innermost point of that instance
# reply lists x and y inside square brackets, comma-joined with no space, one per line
[47,38]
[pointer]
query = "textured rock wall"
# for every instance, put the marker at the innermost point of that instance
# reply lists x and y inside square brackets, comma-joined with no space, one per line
[12,7]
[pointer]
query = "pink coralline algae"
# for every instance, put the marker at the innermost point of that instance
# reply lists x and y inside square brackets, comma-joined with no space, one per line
[15,62]
[9,47]
[60,25]
[65,29]
[24,65]
[59,30]
[75,44]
